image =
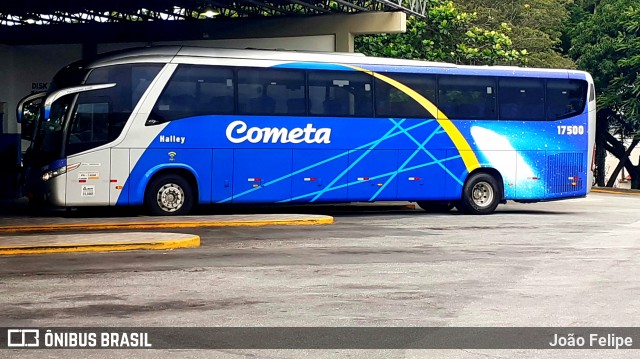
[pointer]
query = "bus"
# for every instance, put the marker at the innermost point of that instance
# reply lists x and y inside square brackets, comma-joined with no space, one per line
[172,127]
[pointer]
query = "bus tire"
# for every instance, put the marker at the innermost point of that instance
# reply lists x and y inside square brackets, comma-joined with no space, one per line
[435,206]
[169,195]
[480,194]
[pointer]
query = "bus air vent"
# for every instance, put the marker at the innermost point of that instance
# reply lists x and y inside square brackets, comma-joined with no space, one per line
[565,172]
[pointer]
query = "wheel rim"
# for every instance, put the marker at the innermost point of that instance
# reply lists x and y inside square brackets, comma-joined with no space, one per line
[482,194]
[170,197]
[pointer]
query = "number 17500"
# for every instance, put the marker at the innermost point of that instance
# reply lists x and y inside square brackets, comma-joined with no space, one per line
[571,130]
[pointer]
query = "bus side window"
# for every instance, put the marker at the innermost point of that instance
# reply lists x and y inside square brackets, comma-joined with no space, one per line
[191,92]
[565,98]
[467,97]
[182,103]
[263,104]
[90,123]
[224,104]
[269,91]
[393,102]
[336,106]
[296,106]
[340,93]
[521,99]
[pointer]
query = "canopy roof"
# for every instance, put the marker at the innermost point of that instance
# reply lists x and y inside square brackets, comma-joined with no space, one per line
[53,12]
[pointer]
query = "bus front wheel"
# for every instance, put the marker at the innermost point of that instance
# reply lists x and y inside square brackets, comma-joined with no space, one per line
[169,195]
[480,194]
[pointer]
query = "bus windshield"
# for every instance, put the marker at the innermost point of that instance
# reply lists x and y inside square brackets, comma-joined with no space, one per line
[47,141]
[93,118]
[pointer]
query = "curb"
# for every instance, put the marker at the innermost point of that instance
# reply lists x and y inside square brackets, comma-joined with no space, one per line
[67,244]
[153,225]
[631,192]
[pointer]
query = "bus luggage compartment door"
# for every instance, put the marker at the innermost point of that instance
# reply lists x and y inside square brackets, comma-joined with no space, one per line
[261,176]
[421,176]
[221,176]
[373,175]
[321,176]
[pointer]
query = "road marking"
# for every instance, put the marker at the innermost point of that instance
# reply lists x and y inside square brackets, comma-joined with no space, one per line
[320,220]
[103,243]
[614,191]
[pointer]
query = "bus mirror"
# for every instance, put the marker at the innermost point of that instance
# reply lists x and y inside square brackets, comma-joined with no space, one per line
[29,103]
[69,91]
[27,114]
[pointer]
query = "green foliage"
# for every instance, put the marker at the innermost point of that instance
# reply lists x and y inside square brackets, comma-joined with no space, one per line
[446,35]
[606,42]
[537,26]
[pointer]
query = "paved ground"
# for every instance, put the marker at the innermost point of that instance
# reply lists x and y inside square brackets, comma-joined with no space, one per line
[19,224]
[566,263]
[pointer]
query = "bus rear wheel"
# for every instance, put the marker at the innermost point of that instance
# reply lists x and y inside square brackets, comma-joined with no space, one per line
[480,194]
[169,195]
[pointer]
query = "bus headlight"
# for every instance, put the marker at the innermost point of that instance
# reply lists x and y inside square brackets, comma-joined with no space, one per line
[55,173]
[58,171]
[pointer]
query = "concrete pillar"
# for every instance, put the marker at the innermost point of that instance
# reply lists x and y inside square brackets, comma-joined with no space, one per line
[345,42]
[345,27]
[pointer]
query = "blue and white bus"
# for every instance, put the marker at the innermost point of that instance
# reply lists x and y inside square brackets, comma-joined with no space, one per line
[172,127]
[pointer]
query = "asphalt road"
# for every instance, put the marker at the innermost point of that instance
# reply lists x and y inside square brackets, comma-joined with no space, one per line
[570,263]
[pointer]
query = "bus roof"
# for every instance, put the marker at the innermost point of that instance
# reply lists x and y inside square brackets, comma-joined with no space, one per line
[182,54]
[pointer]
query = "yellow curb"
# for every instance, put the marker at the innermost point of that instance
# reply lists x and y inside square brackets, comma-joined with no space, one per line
[152,225]
[190,242]
[613,191]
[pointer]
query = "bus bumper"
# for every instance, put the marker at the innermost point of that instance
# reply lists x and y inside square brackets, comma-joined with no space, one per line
[51,192]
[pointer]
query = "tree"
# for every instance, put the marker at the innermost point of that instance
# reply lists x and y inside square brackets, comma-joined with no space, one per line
[537,26]
[606,42]
[446,35]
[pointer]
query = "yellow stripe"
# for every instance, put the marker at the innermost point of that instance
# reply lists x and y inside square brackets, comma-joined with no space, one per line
[614,191]
[148,225]
[468,156]
[190,242]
